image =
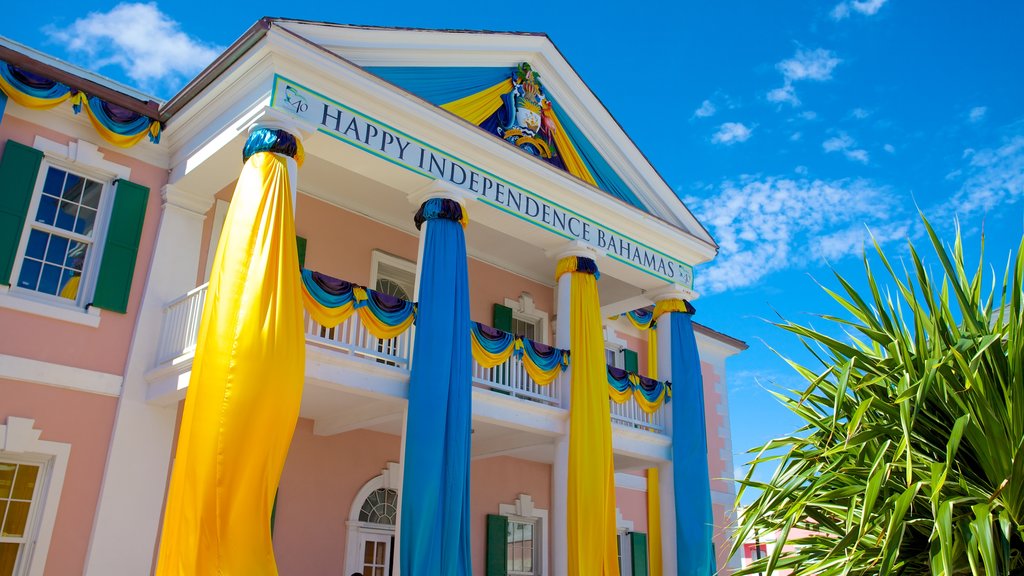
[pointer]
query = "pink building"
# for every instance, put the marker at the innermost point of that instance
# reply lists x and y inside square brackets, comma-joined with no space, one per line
[105,252]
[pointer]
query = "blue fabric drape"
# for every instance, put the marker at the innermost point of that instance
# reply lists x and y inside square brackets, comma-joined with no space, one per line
[606,177]
[694,519]
[329,292]
[435,537]
[3,105]
[441,85]
[545,357]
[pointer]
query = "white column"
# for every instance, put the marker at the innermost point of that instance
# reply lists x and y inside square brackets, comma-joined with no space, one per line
[560,467]
[666,485]
[135,479]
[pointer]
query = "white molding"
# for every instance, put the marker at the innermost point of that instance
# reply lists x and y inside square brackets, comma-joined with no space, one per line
[378,257]
[219,214]
[190,201]
[524,309]
[630,482]
[523,508]
[19,436]
[27,303]
[621,523]
[59,375]
[83,153]
[439,189]
[390,478]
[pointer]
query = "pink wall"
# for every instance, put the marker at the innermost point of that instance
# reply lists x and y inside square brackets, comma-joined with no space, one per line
[501,480]
[340,243]
[632,504]
[321,478]
[104,348]
[85,421]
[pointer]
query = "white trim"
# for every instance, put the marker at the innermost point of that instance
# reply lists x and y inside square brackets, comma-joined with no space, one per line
[390,478]
[377,257]
[20,437]
[630,482]
[23,301]
[59,375]
[219,214]
[523,508]
[523,309]
[82,153]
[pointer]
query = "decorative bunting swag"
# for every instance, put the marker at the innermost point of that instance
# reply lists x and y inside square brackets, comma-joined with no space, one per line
[117,125]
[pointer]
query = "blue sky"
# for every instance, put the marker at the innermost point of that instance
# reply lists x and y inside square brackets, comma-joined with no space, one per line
[789,128]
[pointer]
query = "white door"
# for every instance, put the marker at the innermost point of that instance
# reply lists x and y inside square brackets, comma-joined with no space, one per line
[375,550]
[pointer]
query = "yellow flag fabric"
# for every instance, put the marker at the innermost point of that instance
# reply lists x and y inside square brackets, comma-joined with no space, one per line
[591,483]
[570,156]
[653,523]
[478,107]
[246,386]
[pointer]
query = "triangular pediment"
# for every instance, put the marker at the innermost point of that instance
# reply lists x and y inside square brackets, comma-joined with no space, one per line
[518,88]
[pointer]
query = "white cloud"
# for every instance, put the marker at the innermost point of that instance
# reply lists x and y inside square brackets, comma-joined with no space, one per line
[145,43]
[767,224]
[805,65]
[816,64]
[843,143]
[977,114]
[796,136]
[889,148]
[784,94]
[865,7]
[730,133]
[707,109]
[860,113]
[809,115]
[993,178]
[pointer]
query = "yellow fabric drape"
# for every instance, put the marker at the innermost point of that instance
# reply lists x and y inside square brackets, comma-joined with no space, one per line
[324,315]
[540,377]
[120,140]
[570,157]
[478,107]
[666,306]
[653,523]
[591,482]
[488,360]
[246,386]
[29,101]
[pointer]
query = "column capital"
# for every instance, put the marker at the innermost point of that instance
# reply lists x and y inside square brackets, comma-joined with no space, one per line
[277,120]
[185,199]
[572,248]
[671,292]
[437,189]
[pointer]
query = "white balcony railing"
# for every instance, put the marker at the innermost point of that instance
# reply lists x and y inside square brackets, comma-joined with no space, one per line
[630,414]
[511,378]
[181,328]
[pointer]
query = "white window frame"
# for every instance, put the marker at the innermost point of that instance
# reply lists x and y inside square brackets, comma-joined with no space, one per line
[615,344]
[390,478]
[379,257]
[623,528]
[19,442]
[84,159]
[524,310]
[523,510]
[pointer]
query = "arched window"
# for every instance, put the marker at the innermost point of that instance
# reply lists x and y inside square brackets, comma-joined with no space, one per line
[370,544]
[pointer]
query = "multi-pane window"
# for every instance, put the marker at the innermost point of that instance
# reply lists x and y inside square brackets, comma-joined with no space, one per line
[521,543]
[17,490]
[380,507]
[524,328]
[61,234]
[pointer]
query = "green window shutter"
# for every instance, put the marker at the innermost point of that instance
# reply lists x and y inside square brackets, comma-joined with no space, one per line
[114,284]
[496,561]
[638,546]
[18,171]
[300,242]
[629,359]
[502,318]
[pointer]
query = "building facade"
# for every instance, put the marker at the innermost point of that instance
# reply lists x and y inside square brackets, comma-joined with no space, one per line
[111,205]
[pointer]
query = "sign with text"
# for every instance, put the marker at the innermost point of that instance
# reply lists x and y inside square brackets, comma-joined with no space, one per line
[352,127]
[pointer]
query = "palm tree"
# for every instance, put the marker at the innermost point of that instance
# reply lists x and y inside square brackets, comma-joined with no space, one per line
[910,457]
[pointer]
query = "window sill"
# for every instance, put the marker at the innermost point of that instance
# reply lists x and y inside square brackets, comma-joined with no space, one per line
[28,305]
